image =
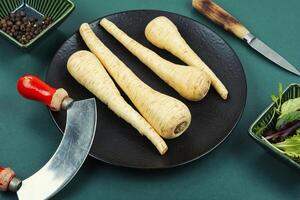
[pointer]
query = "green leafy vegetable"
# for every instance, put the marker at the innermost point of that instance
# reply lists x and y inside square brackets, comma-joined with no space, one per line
[274,98]
[287,118]
[262,126]
[278,100]
[290,146]
[284,133]
[290,106]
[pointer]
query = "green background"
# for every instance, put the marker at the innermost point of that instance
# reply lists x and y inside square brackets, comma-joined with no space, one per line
[238,169]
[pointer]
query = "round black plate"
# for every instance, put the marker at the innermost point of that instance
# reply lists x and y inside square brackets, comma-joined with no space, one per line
[213,119]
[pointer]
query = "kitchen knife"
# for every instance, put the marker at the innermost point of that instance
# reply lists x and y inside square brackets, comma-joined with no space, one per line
[72,151]
[221,17]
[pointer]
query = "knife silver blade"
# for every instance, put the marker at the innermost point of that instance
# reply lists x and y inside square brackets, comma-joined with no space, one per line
[269,53]
[70,155]
[223,18]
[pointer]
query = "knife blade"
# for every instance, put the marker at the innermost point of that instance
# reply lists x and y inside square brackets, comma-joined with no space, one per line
[221,17]
[70,155]
[72,151]
[269,53]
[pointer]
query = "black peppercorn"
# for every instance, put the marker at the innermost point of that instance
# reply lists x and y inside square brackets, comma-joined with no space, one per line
[28,37]
[22,27]
[18,23]
[9,23]
[15,27]
[23,41]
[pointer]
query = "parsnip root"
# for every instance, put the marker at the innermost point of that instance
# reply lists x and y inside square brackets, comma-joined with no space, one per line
[167,115]
[163,33]
[188,81]
[89,72]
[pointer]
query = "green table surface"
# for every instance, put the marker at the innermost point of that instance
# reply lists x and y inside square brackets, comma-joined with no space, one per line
[238,169]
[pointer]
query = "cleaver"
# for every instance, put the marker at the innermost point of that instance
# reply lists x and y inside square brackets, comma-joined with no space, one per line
[72,151]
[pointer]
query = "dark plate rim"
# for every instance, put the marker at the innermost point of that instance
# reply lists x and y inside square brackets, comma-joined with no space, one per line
[118,164]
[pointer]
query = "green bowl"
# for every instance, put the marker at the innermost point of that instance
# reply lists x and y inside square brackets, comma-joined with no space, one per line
[292,91]
[58,10]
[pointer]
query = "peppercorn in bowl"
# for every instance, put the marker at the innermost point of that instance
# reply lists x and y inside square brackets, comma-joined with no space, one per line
[25,22]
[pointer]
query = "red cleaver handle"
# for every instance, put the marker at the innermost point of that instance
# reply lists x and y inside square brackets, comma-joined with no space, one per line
[8,180]
[31,87]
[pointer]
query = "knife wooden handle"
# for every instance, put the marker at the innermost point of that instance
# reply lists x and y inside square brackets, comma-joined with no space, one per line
[221,17]
[31,87]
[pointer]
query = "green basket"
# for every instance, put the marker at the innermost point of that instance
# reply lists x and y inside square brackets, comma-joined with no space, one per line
[58,10]
[292,91]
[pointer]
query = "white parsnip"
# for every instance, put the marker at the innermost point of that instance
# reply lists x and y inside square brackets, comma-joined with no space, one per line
[167,115]
[86,69]
[164,34]
[188,81]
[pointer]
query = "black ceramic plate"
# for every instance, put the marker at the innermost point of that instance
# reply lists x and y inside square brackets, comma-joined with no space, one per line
[213,119]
